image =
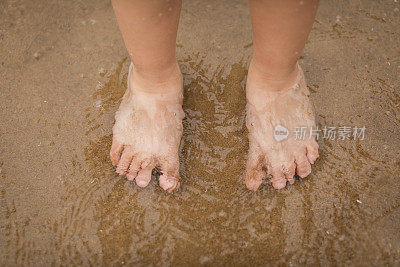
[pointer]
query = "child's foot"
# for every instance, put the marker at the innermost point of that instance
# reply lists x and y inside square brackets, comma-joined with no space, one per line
[148,129]
[269,112]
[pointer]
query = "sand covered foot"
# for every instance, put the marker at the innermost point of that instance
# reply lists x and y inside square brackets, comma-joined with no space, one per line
[279,124]
[148,130]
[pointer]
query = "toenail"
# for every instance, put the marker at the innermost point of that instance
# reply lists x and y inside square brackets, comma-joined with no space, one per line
[167,184]
[279,185]
[141,183]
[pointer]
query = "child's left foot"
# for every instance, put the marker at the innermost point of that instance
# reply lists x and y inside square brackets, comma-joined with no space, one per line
[271,115]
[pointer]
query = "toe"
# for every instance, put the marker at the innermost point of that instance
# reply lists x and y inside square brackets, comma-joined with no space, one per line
[254,171]
[254,179]
[134,168]
[303,167]
[115,152]
[124,162]
[169,182]
[289,170]
[312,151]
[278,179]
[169,179]
[143,177]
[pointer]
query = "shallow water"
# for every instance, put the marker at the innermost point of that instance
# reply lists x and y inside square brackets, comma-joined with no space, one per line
[63,204]
[328,217]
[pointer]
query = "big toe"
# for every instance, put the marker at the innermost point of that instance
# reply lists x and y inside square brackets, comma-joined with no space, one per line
[312,151]
[254,171]
[115,152]
[169,183]
[169,179]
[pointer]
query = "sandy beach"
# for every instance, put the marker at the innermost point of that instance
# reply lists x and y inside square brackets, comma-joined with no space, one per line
[63,72]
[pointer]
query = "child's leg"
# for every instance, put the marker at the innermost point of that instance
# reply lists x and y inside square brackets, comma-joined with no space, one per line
[280,30]
[148,124]
[277,93]
[149,30]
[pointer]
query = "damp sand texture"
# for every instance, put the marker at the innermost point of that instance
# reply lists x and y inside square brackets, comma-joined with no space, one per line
[63,72]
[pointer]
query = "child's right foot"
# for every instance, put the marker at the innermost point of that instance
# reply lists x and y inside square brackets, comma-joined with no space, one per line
[148,129]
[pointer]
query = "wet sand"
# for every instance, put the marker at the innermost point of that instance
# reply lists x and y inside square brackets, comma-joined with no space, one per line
[63,72]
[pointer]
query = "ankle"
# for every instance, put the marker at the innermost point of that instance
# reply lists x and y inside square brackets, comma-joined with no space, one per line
[268,77]
[159,79]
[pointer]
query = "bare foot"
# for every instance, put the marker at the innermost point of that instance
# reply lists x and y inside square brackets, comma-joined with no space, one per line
[148,129]
[270,110]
